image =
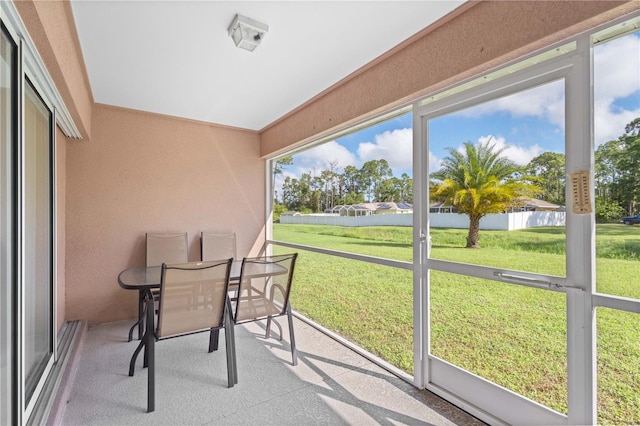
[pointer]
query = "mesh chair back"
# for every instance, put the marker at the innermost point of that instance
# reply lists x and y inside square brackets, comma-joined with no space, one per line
[166,248]
[265,284]
[192,297]
[217,245]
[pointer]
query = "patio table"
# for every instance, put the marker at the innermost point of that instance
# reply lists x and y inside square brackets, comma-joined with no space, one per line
[145,278]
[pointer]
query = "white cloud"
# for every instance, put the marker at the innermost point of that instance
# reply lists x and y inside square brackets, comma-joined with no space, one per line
[546,101]
[314,160]
[321,156]
[434,162]
[609,124]
[521,155]
[616,76]
[616,67]
[395,146]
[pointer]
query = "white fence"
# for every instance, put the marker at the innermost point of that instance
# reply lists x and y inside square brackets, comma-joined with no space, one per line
[505,221]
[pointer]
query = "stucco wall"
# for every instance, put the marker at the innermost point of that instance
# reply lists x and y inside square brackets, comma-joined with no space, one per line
[474,39]
[52,29]
[141,173]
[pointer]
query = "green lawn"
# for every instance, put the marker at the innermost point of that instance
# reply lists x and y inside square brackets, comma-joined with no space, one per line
[509,334]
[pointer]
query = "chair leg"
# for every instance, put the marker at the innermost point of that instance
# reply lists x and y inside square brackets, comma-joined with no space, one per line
[132,364]
[149,325]
[268,328]
[145,356]
[133,327]
[292,338]
[151,375]
[141,307]
[231,372]
[150,352]
[214,337]
[140,321]
[230,344]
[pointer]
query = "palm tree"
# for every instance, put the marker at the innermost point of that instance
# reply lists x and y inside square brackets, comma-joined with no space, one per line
[480,181]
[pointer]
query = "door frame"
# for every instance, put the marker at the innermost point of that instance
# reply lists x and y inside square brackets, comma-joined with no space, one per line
[484,399]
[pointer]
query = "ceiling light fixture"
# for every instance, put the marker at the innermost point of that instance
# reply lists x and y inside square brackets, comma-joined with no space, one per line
[247,33]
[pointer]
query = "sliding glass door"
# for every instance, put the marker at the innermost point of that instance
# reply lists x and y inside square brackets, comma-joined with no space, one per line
[27,320]
[37,289]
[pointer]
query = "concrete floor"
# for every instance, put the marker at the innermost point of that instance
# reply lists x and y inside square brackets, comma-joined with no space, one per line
[330,385]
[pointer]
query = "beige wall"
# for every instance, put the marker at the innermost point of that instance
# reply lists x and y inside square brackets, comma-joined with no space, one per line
[478,37]
[51,26]
[112,186]
[142,173]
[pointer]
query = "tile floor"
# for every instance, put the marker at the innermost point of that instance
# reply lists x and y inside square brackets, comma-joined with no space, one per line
[331,385]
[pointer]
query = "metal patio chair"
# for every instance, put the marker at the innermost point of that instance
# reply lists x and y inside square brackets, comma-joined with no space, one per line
[263,293]
[217,245]
[193,299]
[161,248]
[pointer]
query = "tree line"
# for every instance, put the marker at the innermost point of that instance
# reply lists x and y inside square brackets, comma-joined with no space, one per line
[617,175]
[319,190]
[617,179]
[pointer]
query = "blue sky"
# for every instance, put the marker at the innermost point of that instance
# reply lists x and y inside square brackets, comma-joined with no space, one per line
[525,124]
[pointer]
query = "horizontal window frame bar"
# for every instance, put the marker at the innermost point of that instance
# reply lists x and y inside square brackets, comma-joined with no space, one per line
[524,279]
[616,302]
[353,256]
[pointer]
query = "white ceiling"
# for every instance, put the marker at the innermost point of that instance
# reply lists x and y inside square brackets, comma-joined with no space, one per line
[176,57]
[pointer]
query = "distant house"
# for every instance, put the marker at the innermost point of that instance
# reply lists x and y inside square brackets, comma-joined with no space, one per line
[526,205]
[536,205]
[366,209]
[350,210]
[531,213]
[441,207]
